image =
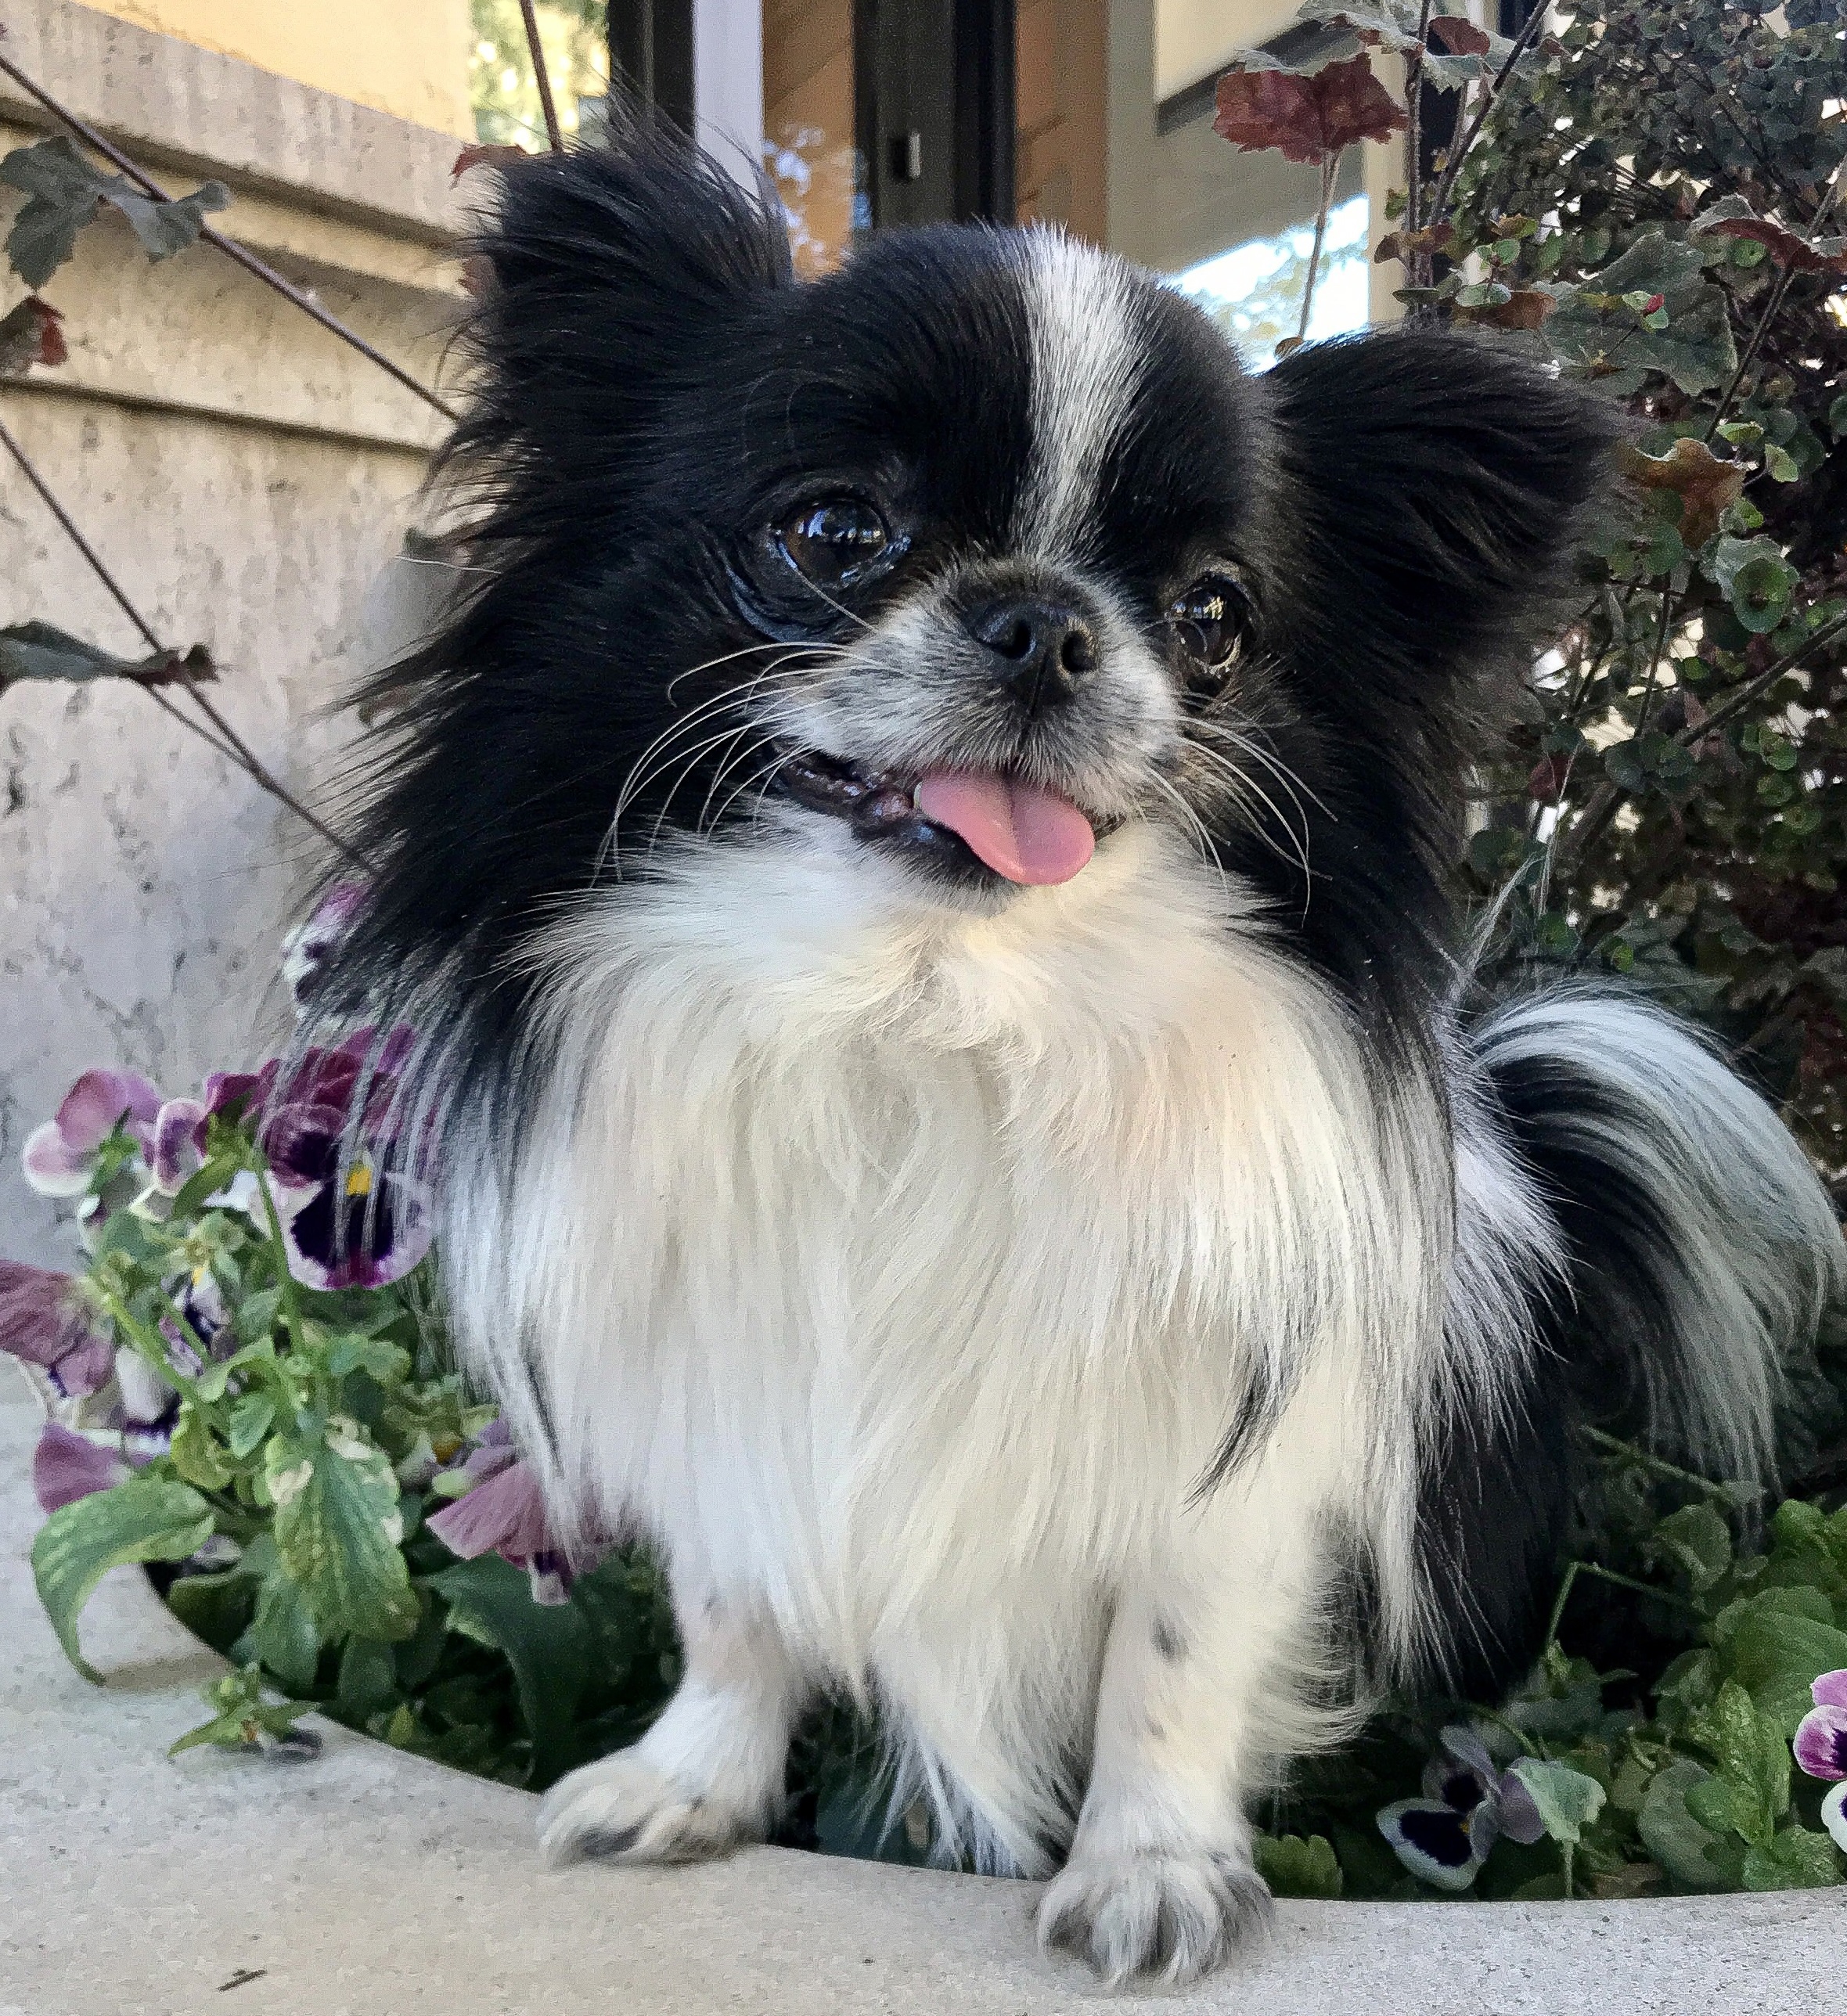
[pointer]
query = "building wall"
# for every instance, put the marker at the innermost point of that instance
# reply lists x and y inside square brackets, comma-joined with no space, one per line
[406,57]
[1061,64]
[247,476]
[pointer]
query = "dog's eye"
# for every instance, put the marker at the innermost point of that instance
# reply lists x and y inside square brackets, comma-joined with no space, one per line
[1209,619]
[835,541]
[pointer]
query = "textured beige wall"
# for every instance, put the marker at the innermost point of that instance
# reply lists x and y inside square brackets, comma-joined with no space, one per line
[247,476]
[406,57]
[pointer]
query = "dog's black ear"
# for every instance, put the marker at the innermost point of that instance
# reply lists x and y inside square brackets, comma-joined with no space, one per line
[1429,492]
[610,276]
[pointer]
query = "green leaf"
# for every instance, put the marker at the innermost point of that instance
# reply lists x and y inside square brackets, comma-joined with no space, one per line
[1567,1800]
[547,1646]
[195,1452]
[1794,1860]
[1594,325]
[1295,1867]
[1700,1541]
[250,1420]
[1671,1834]
[63,192]
[1776,1655]
[388,1363]
[147,1519]
[1756,579]
[1753,1760]
[165,229]
[284,1634]
[36,650]
[242,1716]
[215,1607]
[368,1679]
[338,1530]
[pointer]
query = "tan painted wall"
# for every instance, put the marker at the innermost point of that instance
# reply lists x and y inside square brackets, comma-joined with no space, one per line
[406,57]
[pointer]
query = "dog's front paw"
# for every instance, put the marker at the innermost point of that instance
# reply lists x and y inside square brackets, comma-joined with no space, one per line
[626,1808]
[1145,1912]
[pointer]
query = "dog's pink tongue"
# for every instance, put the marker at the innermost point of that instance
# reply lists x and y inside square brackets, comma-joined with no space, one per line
[1024,833]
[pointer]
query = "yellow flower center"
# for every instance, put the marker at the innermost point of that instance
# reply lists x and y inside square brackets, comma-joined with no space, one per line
[359,1182]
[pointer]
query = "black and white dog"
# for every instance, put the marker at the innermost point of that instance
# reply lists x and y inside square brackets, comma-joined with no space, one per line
[921,869]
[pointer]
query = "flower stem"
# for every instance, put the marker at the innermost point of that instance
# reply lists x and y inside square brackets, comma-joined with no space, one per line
[1647,1460]
[291,1293]
[1328,167]
[1621,1580]
[148,1343]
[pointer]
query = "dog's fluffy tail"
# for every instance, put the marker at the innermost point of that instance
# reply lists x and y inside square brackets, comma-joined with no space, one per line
[1702,1244]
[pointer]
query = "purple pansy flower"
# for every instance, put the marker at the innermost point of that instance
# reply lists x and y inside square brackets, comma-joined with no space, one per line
[1821,1748]
[61,1156]
[1467,1805]
[177,1150]
[503,1512]
[308,949]
[42,1322]
[347,1221]
[329,1125]
[67,1466]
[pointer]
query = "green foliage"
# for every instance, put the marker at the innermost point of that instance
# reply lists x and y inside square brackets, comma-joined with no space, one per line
[147,1519]
[1295,1867]
[503,91]
[64,192]
[1683,1782]
[312,1427]
[1674,804]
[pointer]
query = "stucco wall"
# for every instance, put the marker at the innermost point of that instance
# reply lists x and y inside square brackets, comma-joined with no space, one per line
[406,57]
[247,476]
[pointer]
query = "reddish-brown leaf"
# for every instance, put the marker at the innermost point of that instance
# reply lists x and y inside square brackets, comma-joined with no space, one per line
[484,155]
[1545,785]
[29,335]
[1785,247]
[1704,483]
[1460,37]
[1405,245]
[1525,307]
[1306,118]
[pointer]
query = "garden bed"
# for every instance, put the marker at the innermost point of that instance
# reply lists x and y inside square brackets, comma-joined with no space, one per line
[369,1881]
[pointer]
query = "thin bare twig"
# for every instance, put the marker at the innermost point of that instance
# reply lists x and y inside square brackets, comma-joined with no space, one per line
[553,131]
[1414,125]
[1784,280]
[233,747]
[1452,167]
[229,247]
[1736,703]
[1329,165]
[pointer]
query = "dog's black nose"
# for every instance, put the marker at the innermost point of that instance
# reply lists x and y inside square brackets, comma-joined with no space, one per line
[1043,650]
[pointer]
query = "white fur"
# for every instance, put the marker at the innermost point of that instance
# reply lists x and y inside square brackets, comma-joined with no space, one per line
[1751,1251]
[899,1268]
[1081,305]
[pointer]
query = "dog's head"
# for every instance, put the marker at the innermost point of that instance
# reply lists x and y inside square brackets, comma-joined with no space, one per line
[964,561]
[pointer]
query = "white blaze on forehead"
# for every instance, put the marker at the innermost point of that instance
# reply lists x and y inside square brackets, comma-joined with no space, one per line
[1080,305]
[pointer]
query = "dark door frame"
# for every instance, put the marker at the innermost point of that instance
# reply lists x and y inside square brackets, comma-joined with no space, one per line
[942,70]
[650,51]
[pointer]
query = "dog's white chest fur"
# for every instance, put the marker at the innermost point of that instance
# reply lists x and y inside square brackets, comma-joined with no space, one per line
[900,1269]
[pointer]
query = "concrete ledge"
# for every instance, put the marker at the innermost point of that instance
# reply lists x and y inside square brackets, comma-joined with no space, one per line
[176,107]
[371,1884]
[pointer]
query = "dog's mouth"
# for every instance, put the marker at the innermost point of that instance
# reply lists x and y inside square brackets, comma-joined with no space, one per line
[968,820]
